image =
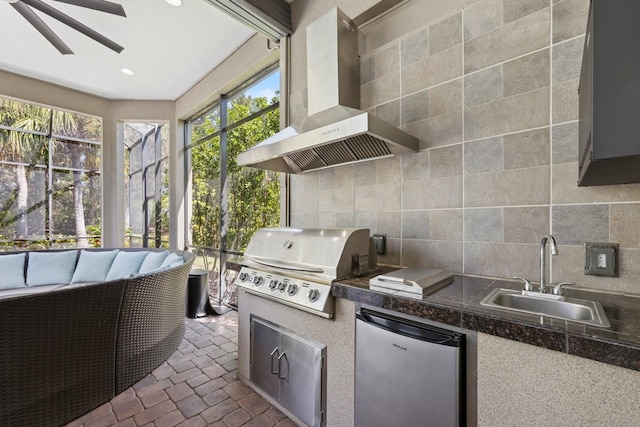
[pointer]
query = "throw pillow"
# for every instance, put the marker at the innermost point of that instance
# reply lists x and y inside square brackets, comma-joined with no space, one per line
[12,267]
[152,261]
[93,266]
[125,264]
[50,268]
[172,259]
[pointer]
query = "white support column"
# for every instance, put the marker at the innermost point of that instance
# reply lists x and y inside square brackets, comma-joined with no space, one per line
[179,187]
[285,118]
[112,183]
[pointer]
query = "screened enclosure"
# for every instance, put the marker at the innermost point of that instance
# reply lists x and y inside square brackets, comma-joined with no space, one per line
[50,177]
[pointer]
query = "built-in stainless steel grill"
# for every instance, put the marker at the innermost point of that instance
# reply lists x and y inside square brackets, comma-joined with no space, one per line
[297,266]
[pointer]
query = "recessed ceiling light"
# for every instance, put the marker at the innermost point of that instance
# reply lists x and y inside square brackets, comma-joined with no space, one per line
[127,71]
[175,2]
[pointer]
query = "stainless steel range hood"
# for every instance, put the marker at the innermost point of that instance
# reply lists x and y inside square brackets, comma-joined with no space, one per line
[336,131]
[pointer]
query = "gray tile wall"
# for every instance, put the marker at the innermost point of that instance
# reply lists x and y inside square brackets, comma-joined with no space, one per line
[491,92]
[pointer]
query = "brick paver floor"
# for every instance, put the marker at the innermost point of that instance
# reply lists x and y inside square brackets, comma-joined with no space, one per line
[197,386]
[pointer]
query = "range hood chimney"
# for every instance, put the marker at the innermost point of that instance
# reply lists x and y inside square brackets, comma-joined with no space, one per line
[336,131]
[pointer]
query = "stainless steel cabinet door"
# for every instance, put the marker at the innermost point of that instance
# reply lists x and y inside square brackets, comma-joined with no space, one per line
[289,368]
[265,343]
[300,373]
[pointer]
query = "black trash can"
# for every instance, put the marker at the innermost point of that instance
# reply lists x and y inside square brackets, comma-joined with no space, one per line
[197,293]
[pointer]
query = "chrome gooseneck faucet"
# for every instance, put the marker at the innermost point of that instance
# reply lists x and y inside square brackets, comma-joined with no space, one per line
[543,267]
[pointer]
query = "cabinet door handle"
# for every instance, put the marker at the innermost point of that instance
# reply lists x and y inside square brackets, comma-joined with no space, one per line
[280,358]
[275,352]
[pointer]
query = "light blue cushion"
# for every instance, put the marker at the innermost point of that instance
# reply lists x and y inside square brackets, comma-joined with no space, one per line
[12,268]
[172,259]
[125,264]
[152,261]
[49,268]
[94,266]
[157,270]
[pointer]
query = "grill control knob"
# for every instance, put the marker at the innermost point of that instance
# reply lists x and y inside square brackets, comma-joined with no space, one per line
[243,276]
[313,295]
[282,286]
[292,289]
[273,284]
[258,280]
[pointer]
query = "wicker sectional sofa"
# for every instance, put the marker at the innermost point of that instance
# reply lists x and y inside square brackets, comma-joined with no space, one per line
[68,348]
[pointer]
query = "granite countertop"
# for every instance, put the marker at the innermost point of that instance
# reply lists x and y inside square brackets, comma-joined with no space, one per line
[458,304]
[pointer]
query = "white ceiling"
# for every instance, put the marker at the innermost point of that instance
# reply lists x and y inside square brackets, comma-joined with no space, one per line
[168,48]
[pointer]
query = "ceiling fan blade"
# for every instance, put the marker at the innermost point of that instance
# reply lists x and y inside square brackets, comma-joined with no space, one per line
[43,28]
[76,25]
[100,5]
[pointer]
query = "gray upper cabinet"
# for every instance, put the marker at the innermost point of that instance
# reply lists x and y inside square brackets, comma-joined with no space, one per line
[609,146]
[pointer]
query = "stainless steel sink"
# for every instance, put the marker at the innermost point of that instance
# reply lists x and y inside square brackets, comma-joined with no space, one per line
[575,310]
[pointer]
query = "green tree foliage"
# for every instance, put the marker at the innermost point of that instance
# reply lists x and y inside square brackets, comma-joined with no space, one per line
[205,161]
[252,195]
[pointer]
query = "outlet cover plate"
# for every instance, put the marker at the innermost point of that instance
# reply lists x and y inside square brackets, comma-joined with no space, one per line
[601,259]
[380,241]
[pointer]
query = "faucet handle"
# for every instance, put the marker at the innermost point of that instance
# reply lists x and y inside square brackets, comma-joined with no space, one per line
[557,289]
[527,284]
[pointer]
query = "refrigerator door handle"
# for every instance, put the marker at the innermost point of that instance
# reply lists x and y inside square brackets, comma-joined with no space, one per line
[409,329]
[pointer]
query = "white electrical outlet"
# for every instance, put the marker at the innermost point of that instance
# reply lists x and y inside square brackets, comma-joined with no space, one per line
[602,261]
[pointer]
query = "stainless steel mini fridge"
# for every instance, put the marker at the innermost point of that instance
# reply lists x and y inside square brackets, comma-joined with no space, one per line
[407,373]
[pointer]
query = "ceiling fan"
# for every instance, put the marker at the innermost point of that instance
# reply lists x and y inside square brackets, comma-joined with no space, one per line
[25,8]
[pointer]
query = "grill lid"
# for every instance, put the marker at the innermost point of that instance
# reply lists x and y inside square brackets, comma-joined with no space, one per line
[322,255]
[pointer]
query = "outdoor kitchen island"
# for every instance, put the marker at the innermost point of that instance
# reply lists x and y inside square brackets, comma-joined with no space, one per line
[518,356]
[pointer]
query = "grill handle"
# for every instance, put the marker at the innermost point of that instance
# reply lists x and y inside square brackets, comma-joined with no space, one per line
[287,266]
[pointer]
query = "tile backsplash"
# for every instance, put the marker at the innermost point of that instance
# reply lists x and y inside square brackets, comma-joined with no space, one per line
[491,92]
